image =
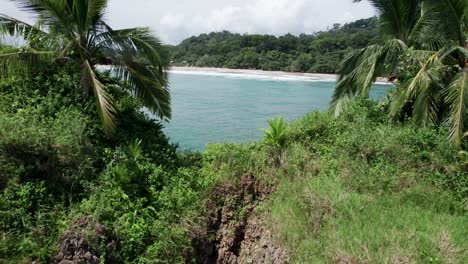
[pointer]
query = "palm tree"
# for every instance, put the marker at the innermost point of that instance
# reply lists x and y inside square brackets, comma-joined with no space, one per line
[74,30]
[425,52]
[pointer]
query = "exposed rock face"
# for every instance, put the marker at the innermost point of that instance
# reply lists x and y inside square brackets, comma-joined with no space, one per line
[236,232]
[81,244]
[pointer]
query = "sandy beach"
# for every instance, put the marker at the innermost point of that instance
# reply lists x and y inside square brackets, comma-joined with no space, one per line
[255,72]
[260,72]
[273,75]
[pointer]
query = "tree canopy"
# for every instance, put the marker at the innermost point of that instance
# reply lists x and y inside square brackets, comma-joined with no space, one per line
[319,52]
[425,52]
[74,31]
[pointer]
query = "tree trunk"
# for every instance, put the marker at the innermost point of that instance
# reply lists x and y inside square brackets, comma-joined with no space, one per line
[84,83]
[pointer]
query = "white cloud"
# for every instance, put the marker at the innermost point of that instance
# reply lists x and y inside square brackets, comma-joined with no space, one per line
[177,19]
[274,17]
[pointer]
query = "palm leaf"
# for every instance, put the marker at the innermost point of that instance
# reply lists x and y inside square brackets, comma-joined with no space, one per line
[397,17]
[14,27]
[104,104]
[22,61]
[423,89]
[360,70]
[276,133]
[457,98]
[447,17]
[140,59]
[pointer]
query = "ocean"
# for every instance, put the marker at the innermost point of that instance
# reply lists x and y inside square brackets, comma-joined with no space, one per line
[210,107]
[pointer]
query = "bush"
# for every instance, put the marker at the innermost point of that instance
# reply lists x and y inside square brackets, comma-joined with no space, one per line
[56,167]
[43,165]
[54,150]
[146,204]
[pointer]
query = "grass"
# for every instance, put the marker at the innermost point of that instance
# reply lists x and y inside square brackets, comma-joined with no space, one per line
[359,189]
[377,193]
[322,221]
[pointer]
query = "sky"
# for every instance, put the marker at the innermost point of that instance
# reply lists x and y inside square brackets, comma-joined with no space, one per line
[175,20]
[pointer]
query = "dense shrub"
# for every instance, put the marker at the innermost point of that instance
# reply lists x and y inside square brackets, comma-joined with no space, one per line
[145,204]
[57,167]
[54,150]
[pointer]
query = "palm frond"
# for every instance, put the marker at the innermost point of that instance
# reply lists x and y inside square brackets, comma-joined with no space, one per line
[340,105]
[142,61]
[22,61]
[86,14]
[424,90]
[397,17]
[360,70]
[276,133]
[14,27]
[457,98]
[104,103]
[423,77]
[398,100]
[35,36]
[419,57]
[149,86]
[447,17]
[51,11]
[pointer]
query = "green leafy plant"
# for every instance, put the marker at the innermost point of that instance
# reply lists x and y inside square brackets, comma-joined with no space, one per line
[424,52]
[75,31]
[275,136]
[276,133]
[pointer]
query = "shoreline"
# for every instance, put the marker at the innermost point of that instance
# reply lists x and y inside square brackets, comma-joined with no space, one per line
[278,75]
[260,73]
[250,71]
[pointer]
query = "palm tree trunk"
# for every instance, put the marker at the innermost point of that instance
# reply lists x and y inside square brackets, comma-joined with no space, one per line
[85,86]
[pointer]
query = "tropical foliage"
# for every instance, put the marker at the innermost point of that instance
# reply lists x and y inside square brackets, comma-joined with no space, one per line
[73,31]
[318,52]
[425,53]
[57,168]
[345,186]
[276,134]
[348,185]
[275,138]
[60,179]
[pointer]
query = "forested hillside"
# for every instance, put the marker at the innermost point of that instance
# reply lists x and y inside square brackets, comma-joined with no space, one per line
[320,52]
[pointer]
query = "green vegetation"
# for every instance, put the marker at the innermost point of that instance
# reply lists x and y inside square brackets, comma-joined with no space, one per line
[425,53]
[357,188]
[320,52]
[348,188]
[275,137]
[276,134]
[361,190]
[57,168]
[74,31]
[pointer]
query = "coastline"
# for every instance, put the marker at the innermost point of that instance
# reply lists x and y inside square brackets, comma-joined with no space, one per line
[272,75]
[259,72]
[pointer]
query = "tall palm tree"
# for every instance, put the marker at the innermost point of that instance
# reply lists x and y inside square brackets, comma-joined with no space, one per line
[75,30]
[425,52]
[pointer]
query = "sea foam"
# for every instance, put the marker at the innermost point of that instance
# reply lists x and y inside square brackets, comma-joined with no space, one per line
[260,76]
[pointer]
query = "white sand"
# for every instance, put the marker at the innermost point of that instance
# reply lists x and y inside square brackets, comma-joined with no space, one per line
[259,74]
[243,71]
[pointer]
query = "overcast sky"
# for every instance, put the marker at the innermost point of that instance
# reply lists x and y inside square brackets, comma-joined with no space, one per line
[175,20]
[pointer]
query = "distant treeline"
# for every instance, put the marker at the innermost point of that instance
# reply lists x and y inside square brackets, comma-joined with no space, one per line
[321,52]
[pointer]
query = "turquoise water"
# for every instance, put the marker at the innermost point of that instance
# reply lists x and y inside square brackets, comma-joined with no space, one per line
[209,109]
